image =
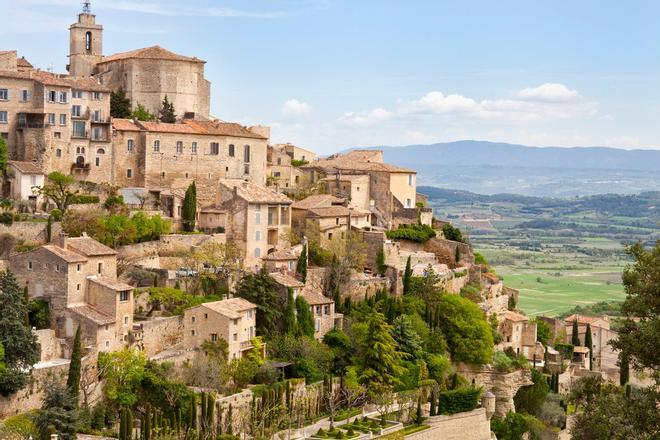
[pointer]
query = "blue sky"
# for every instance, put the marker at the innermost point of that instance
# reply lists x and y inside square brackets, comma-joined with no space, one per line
[332,74]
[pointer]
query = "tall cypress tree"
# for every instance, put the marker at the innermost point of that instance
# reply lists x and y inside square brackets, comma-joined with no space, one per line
[301,266]
[589,344]
[304,317]
[289,316]
[120,105]
[73,380]
[575,337]
[189,209]
[407,275]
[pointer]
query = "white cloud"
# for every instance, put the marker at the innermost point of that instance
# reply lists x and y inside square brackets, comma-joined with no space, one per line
[549,92]
[294,108]
[365,118]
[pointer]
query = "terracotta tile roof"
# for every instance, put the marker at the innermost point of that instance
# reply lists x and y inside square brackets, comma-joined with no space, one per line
[219,128]
[254,193]
[582,319]
[25,167]
[318,201]
[329,211]
[515,317]
[315,299]
[125,125]
[65,254]
[110,283]
[357,160]
[52,79]
[230,308]
[281,254]
[213,209]
[22,62]
[93,314]
[150,53]
[162,127]
[88,246]
[346,177]
[286,280]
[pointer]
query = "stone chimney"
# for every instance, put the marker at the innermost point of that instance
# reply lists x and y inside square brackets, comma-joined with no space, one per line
[60,240]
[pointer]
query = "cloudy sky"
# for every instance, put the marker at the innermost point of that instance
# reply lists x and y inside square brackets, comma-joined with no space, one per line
[333,74]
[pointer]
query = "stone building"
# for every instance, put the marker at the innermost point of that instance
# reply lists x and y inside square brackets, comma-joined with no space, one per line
[78,279]
[282,259]
[604,356]
[22,177]
[284,161]
[254,217]
[388,191]
[520,335]
[233,320]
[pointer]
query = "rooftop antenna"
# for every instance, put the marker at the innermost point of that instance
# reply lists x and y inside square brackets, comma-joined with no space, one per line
[87,7]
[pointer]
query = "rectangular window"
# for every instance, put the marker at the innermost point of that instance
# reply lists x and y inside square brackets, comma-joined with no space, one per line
[231,150]
[61,97]
[193,148]
[62,119]
[235,337]
[33,180]
[51,118]
[410,179]
[4,94]
[58,152]
[25,95]
[192,332]
[179,147]
[97,96]
[257,218]
[96,117]
[129,173]
[3,117]
[52,96]
[124,296]
[78,268]
[97,134]
[99,268]
[77,94]
[76,111]
[156,146]
[246,169]
[78,287]
[317,325]
[249,314]
[57,267]
[192,319]
[129,145]
[215,148]
[257,252]
[326,310]
[57,135]
[29,265]
[246,154]
[408,203]
[257,235]
[214,337]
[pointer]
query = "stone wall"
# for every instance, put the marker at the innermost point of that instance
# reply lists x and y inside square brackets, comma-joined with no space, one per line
[472,425]
[51,346]
[29,231]
[374,241]
[158,334]
[444,250]
[170,243]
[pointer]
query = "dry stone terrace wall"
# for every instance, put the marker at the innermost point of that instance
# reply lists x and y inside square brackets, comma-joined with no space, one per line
[29,231]
[445,250]
[472,425]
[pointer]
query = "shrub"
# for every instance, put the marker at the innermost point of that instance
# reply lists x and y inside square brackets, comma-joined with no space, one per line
[113,201]
[298,162]
[459,400]
[502,362]
[83,199]
[56,214]
[418,233]
[452,233]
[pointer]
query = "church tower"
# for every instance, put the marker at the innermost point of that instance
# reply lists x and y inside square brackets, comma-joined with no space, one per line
[85,43]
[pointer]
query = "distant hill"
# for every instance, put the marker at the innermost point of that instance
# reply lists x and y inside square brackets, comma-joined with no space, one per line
[492,168]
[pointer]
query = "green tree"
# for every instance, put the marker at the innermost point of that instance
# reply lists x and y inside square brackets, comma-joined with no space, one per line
[301,265]
[407,275]
[166,112]
[380,363]
[73,380]
[59,189]
[304,317]
[123,372]
[530,398]
[58,414]
[262,290]
[514,425]
[380,262]
[639,337]
[543,332]
[469,337]
[452,233]
[189,210]
[575,336]
[142,114]
[407,339]
[589,344]
[3,155]
[120,105]
[624,369]
[20,344]
[289,316]
[341,347]
[511,304]
[49,229]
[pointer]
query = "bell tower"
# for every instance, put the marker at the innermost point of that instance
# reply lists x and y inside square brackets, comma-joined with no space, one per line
[85,43]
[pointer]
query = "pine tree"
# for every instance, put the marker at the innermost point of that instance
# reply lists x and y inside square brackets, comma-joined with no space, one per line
[289,316]
[73,380]
[407,339]
[407,276]
[304,317]
[588,343]
[166,112]
[120,105]
[575,337]
[189,210]
[380,364]
[301,266]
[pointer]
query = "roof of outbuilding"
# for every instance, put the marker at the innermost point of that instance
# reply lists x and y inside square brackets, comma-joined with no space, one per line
[162,127]
[93,314]
[53,79]
[281,254]
[65,254]
[314,299]
[110,283]
[358,160]
[514,316]
[286,280]
[230,308]
[220,128]
[329,211]
[254,193]
[317,201]
[88,246]
[22,62]
[26,167]
[150,53]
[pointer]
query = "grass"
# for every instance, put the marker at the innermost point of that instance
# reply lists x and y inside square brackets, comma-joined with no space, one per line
[414,428]
[343,415]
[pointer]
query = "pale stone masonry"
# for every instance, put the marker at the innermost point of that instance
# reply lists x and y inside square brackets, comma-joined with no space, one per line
[233,320]
[280,170]
[23,178]
[605,357]
[78,279]
[520,335]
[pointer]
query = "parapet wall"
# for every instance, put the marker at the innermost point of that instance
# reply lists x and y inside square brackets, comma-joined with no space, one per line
[472,425]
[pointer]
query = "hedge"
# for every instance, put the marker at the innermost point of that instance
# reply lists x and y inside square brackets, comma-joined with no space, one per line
[82,199]
[459,400]
[418,233]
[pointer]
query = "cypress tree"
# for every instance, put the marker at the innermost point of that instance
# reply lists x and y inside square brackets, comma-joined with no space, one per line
[588,343]
[407,275]
[289,317]
[624,372]
[301,266]
[380,262]
[304,317]
[166,112]
[189,208]
[230,421]
[73,380]
[120,105]
[203,407]
[26,303]
[434,400]
[49,229]
[575,337]
[129,424]
[147,424]
[210,408]
[511,305]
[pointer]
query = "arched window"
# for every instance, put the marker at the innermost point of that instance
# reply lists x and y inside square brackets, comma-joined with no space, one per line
[88,41]
[100,151]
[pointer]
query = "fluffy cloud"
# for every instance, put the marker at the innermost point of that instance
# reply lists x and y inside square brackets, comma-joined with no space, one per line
[294,108]
[365,118]
[549,92]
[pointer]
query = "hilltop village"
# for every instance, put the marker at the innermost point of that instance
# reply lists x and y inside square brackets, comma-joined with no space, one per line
[166,274]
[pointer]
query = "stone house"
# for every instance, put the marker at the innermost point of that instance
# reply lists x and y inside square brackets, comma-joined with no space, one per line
[78,279]
[23,177]
[519,334]
[282,259]
[390,192]
[233,320]
[255,218]
[281,172]
[604,356]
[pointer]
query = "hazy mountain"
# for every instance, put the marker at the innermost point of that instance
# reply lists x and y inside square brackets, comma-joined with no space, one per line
[491,168]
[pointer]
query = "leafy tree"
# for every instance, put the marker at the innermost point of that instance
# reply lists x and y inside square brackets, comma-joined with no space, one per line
[142,114]
[120,105]
[407,275]
[407,339]
[166,112]
[3,156]
[189,210]
[73,380]
[304,317]
[530,398]
[58,189]
[301,265]
[469,337]
[379,366]
[123,372]
[575,337]
[639,337]
[261,289]
[341,347]
[511,304]
[380,262]
[58,414]
[21,350]
[289,316]
[514,425]
[543,331]
[589,344]
[452,233]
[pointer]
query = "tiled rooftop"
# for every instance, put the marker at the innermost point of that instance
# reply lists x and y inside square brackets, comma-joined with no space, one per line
[150,53]
[26,167]
[230,308]
[317,201]
[254,193]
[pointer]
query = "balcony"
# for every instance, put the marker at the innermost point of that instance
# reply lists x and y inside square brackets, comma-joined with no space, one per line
[81,115]
[246,345]
[79,167]
[105,120]
[84,135]
[29,124]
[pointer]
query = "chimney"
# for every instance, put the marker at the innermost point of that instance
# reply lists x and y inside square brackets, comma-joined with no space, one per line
[60,240]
